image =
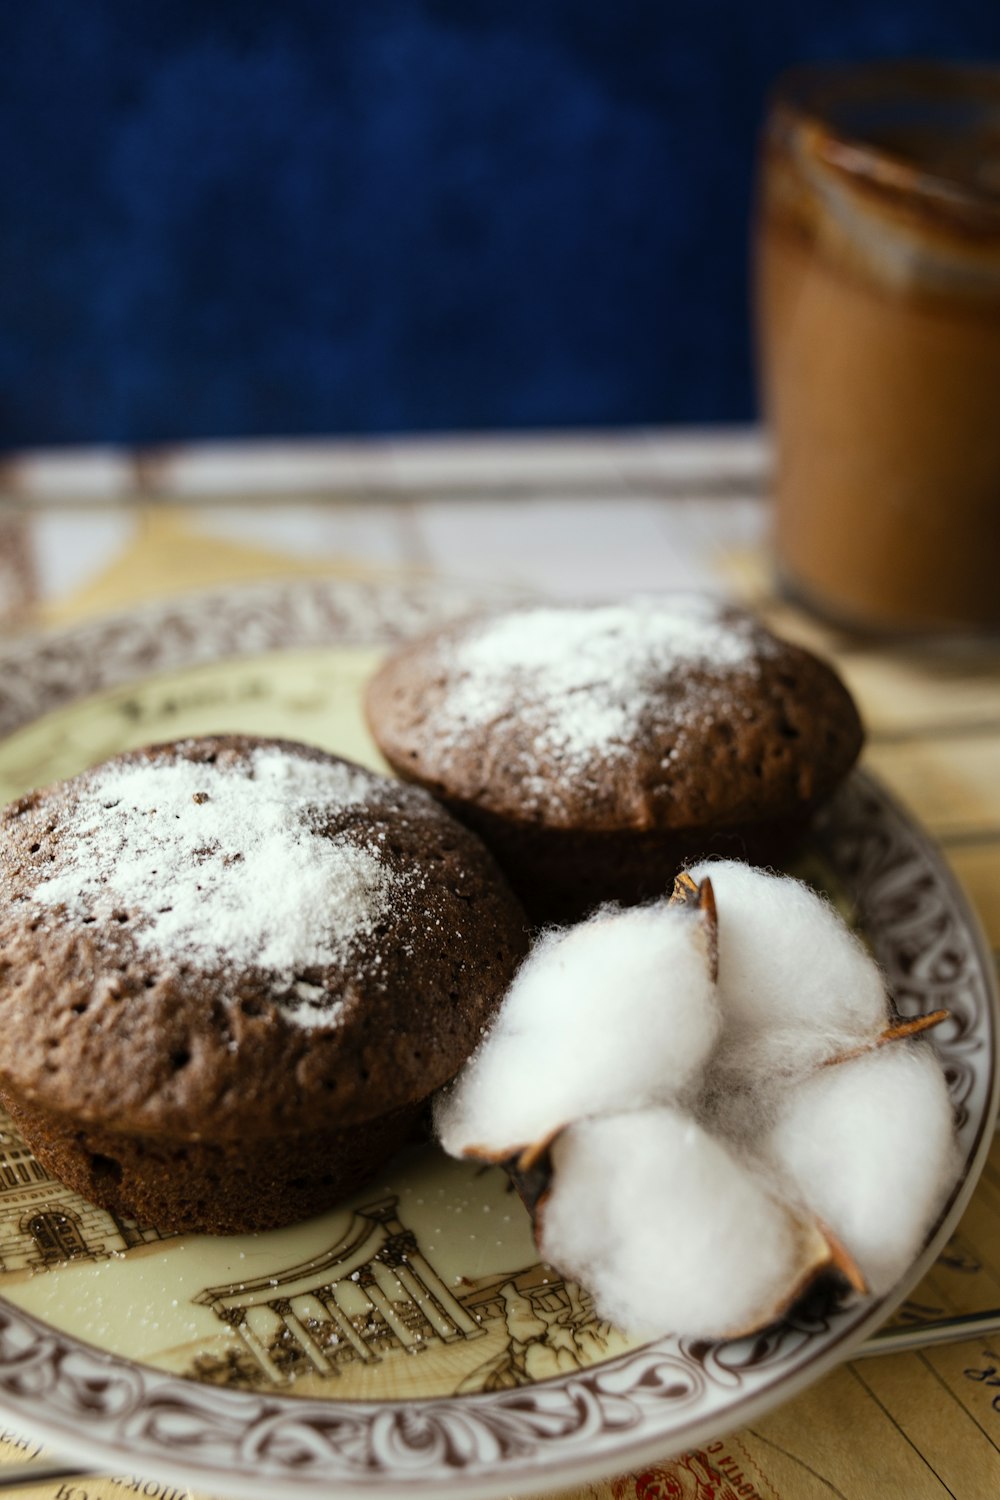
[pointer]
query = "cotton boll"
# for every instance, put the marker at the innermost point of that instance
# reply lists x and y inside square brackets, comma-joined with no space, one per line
[668,1231]
[796,987]
[608,1015]
[869,1146]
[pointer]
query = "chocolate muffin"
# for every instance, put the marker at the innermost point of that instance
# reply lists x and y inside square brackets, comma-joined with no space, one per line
[231,972]
[597,749]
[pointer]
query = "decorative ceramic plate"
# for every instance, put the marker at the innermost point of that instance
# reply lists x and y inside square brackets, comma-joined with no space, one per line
[408,1341]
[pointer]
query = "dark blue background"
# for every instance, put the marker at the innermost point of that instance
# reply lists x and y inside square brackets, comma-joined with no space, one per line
[225,217]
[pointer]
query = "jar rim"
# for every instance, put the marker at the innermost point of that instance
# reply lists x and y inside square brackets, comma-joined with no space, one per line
[829,104]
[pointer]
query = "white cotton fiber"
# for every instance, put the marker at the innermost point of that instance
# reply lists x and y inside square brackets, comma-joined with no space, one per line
[609,1015]
[666,1229]
[868,1145]
[795,985]
[703,1134]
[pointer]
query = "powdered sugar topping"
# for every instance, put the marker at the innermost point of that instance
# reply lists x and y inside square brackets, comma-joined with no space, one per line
[582,681]
[221,864]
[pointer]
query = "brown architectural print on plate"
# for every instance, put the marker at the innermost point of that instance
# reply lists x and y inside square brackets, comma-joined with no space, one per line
[44,1224]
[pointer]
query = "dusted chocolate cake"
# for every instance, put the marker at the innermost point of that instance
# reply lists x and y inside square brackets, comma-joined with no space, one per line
[595,749]
[232,970]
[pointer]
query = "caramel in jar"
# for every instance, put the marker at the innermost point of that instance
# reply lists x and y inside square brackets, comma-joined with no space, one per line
[878,297]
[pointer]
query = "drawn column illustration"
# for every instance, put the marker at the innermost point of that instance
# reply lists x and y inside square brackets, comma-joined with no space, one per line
[443,1311]
[238,1320]
[372,1284]
[327,1297]
[282,1307]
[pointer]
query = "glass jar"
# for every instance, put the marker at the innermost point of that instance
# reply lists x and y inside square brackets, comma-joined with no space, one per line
[878,304]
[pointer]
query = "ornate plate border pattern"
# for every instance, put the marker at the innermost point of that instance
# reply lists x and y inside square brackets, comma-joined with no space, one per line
[44,672]
[660,1399]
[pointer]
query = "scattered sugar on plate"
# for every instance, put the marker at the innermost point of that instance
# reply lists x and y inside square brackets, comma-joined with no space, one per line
[225,865]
